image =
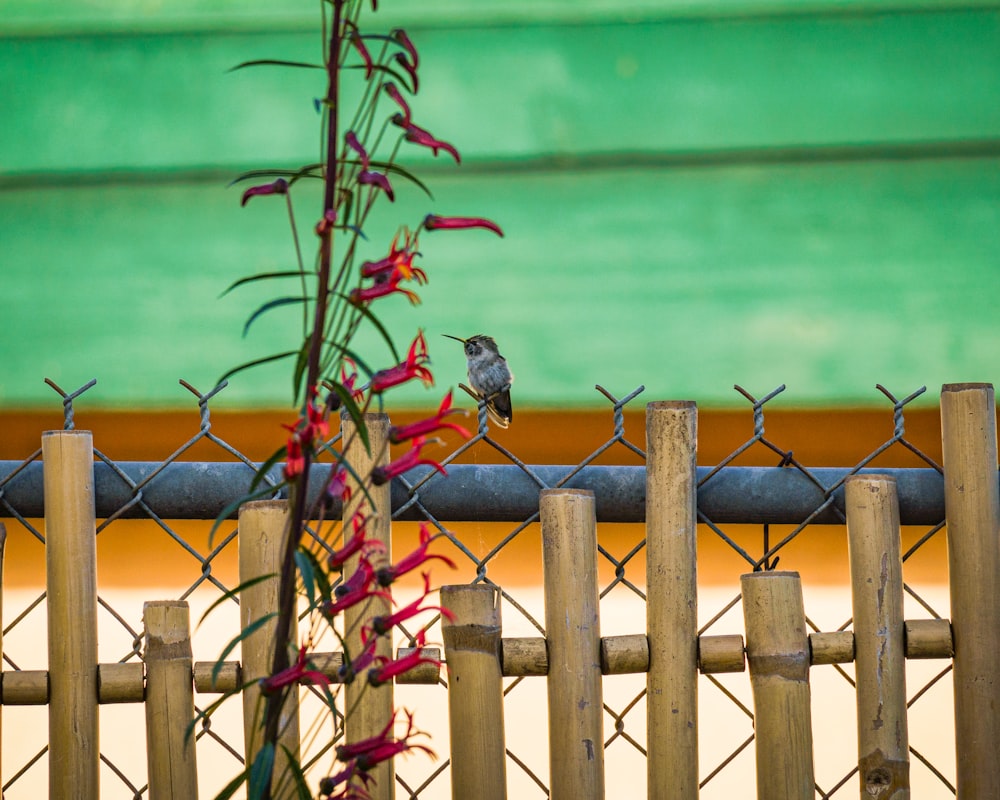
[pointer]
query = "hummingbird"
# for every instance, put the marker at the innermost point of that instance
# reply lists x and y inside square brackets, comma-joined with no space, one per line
[489,375]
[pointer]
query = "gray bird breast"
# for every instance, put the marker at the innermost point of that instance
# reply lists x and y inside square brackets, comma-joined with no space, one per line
[489,378]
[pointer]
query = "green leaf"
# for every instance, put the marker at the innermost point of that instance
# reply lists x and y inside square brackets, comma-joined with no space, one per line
[281,301]
[301,788]
[256,362]
[232,594]
[265,468]
[305,568]
[235,504]
[260,772]
[293,174]
[353,412]
[398,170]
[232,786]
[260,276]
[275,62]
[249,630]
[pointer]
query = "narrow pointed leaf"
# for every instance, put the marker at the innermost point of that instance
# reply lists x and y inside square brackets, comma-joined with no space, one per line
[265,468]
[271,304]
[261,276]
[367,314]
[232,594]
[307,575]
[235,504]
[260,772]
[249,630]
[275,62]
[405,173]
[256,362]
[301,788]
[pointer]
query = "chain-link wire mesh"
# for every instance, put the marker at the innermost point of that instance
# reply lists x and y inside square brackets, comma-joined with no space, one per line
[491,548]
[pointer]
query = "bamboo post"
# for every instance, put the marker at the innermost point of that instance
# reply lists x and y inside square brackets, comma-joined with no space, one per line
[972,507]
[71,579]
[263,527]
[877,600]
[671,600]
[778,653]
[475,692]
[573,634]
[170,744]
[369,709]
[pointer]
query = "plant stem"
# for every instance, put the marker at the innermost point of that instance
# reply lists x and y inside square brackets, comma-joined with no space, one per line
[286,590]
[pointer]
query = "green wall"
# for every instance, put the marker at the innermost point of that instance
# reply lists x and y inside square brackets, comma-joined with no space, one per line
[693,196]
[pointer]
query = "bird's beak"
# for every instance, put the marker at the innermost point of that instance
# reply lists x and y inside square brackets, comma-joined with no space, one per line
[449,336]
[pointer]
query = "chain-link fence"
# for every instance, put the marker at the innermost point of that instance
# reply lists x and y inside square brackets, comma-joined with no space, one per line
[489,513]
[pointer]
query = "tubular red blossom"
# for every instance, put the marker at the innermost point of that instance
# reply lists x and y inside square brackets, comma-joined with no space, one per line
[401,433]
[337,487]
[359,45]
[279,186]
[357,544]
[383,624]
[400,36]
[433,222]
[293,675]
[382,475]
[372,751]
[369,177]
[354,590]
[412,368]
[410,69]
[393,92]
[365,659]
[408,563]
[295,461]
[391,669]
[383,287]
[417,135]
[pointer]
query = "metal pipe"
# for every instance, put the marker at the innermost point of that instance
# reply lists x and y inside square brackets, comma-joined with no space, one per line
[485,493]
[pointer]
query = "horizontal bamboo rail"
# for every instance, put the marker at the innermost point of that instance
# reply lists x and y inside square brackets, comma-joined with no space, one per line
[519,657]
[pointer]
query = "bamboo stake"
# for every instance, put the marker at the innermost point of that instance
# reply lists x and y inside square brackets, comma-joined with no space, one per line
[71,578]
[778,653]
[671,600]
[972,506]
[572,625]
[877,600]
[263,526]
[170,746]
[475,692]
[368,709]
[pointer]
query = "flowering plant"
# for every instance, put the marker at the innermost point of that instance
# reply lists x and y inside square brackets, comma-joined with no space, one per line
[339,564]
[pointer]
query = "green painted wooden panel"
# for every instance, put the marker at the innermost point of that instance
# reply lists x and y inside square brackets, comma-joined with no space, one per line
[676,86]
[830,277]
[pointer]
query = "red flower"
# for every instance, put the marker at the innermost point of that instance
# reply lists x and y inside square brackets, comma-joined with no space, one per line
[412,368]
[368,176]
[366,657]
[295,461]
[406,462]
[389,670]
[279,186]
[357,544]
[433,222]
[383,624]
[400,433]
[293,675]
[359,45]
[417,135]
[400,36]
[381,747]
[408,563]
[393,92]
[383,286]
[354,590]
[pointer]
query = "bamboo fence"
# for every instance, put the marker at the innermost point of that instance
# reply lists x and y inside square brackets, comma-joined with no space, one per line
[775,646]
